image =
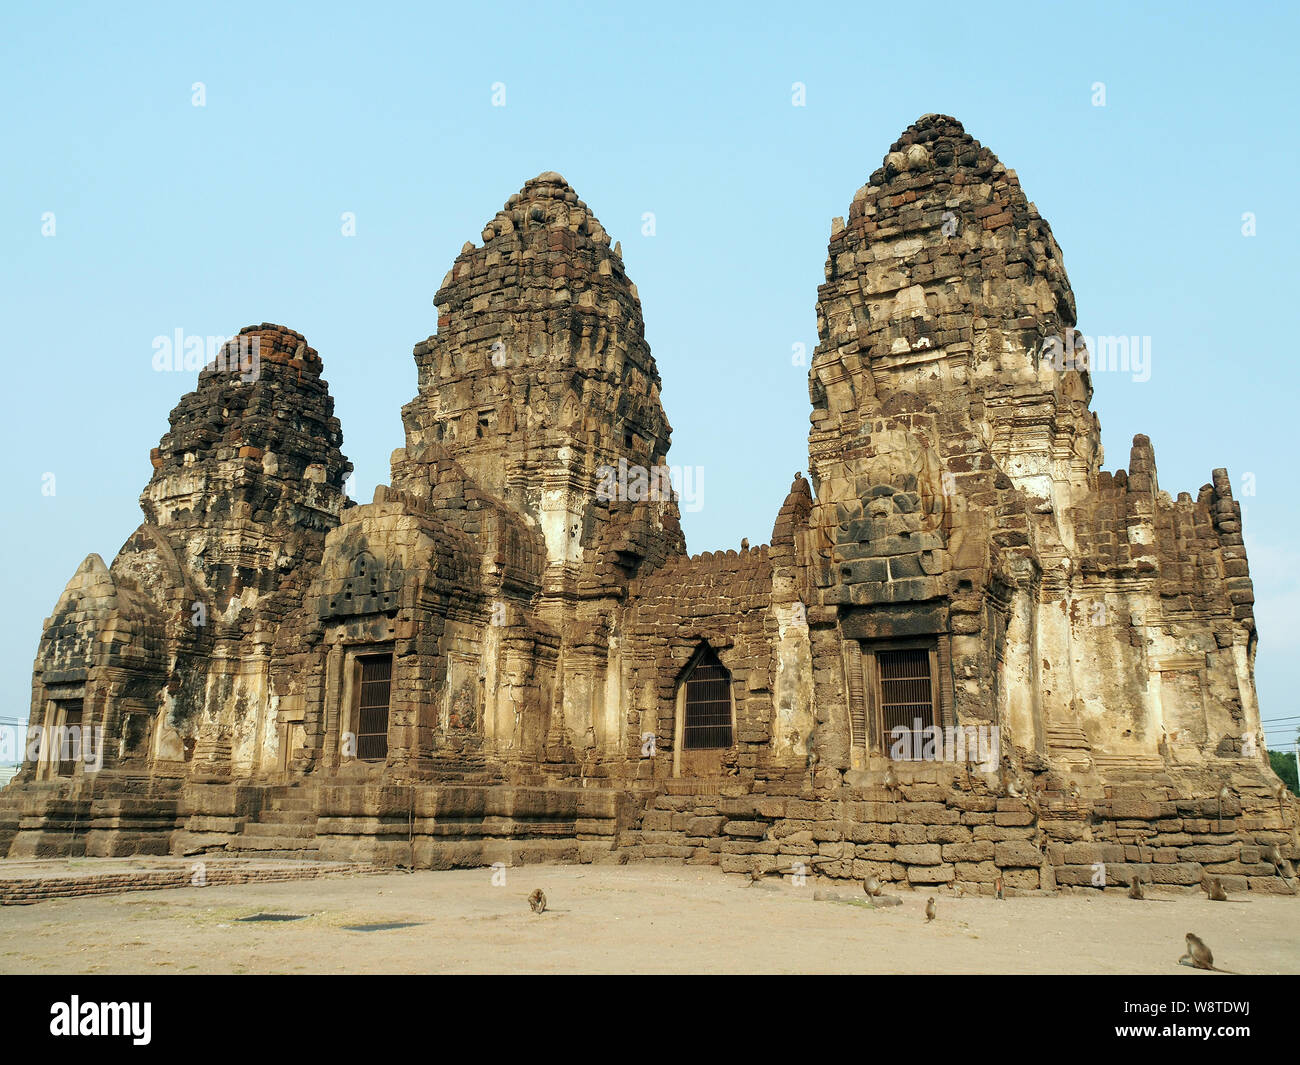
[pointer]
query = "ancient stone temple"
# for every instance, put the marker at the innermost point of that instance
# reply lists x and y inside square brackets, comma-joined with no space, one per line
[967,652]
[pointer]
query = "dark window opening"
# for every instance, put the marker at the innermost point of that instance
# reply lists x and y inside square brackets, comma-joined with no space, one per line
[906,698]
[707,724]
[135,733]
[69,742]
[372,707]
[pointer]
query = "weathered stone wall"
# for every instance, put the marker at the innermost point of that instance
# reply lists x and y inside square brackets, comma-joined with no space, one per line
[26,891]
[946,826]
[942,827]
[723,601]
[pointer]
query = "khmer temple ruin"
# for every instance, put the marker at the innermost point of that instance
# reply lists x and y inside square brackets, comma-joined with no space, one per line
[966,654]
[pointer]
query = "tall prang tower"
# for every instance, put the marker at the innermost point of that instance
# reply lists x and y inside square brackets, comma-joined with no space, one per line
[961,503]
[539,377]
[496,563]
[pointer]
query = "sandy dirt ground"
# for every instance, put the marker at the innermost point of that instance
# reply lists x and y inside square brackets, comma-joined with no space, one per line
[630,919]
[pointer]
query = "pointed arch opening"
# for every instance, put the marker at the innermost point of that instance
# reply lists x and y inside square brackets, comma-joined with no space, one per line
[706,708]
[706,715]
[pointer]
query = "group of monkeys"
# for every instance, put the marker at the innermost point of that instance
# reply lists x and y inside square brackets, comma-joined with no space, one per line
[1198,954]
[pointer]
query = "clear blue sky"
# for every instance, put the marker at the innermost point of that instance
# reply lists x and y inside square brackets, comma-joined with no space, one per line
[170,216]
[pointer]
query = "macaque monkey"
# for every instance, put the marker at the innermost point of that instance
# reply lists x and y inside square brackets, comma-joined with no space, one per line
[1225,795]
[1199,954]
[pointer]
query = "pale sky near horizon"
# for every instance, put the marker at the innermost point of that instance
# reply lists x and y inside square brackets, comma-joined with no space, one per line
[171,216]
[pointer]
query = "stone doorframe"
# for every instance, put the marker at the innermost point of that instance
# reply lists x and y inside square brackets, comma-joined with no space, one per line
[350,694]
[53,724]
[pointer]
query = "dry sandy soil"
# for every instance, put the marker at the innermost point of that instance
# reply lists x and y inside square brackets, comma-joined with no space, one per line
[640,918]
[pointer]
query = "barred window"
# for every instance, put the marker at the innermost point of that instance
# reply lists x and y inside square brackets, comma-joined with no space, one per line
[372,707]
[905,694]
[707,723]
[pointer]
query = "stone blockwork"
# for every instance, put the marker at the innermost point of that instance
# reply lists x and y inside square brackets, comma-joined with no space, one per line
[947,827]
[943,827]
[58,884]
[968,652]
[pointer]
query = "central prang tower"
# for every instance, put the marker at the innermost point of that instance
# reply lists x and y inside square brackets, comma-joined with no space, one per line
[539,374]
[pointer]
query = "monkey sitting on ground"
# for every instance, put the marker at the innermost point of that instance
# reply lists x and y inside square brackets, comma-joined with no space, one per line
[1136,891]
[537,901]
[1199,955]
